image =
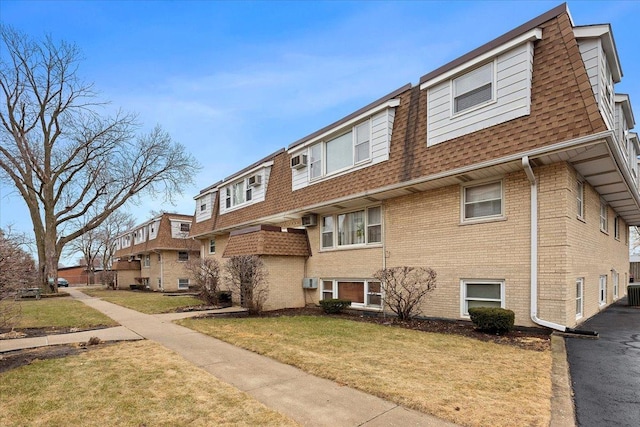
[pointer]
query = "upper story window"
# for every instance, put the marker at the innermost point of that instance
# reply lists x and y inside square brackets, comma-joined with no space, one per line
[185,226]
[616,227]
[339,153]
[604,220]
[580,198]
[203,207]
[237,194]
[482,201]
[473,88]
[354,228]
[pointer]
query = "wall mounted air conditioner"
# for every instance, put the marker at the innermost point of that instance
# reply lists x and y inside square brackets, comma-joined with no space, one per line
[299,161]
[254,180]
[310,283]
[309,220]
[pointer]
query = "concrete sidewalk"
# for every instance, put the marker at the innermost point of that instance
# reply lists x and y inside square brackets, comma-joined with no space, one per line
[309,400]
[119,333]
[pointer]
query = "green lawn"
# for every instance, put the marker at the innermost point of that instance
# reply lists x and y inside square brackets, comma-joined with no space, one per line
[144,302]
[128,384]
[459,379]
[59,313]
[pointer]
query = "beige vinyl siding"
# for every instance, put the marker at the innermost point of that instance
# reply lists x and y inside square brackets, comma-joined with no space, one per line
[594,60]
[514,70]
[203,215]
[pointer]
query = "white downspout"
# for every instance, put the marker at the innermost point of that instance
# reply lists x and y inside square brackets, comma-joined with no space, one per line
[534,250]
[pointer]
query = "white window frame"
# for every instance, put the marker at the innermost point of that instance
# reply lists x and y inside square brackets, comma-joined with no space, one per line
[602,290]
[182,282]
[463,202]
[146,261]
[203,207]
[616,227]
[580,198]
[333,293]
[335,230]
[212,244]
[185,227]
[464,308]
[616,284]
[454,96]
[318,164]
[604,217]
[579,297]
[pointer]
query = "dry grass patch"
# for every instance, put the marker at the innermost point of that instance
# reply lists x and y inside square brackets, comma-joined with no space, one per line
[60,313]
[459,379]
[132,384]
[144,302]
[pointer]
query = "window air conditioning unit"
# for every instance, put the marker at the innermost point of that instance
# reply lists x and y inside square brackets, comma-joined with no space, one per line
[299,161]
[310,283]
[254,180]
[309,220]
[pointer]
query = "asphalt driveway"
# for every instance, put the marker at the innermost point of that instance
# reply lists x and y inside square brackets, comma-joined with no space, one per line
[605,373]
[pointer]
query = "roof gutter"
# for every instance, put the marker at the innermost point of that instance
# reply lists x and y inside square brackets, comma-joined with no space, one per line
[534,258]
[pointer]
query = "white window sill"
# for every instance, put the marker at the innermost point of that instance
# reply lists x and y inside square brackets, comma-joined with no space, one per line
[352,247]
[483,220]
[581,219]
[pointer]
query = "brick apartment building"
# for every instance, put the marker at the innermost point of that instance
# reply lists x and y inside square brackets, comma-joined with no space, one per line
[511,171]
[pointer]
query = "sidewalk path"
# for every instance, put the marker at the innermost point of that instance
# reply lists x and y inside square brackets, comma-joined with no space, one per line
[307,399]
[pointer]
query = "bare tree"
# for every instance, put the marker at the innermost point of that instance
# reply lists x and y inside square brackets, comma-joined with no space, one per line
[247,277]
[17,270]
[205,273]
[405,288]
[67,158]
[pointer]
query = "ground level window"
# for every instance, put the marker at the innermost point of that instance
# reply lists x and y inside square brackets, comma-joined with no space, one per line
[616,283]
[579,300]
[183,283]
[361,293]
[602,291]
[481,293]
[212,246]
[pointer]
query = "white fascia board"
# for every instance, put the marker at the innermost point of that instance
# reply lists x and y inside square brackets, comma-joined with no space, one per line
[623,98]
[603,32]
[535,34]
[389,104]
[206,193]
[244,175]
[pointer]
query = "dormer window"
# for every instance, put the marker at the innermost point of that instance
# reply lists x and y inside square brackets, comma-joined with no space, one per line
[185,227]
[341,152]
[473,88]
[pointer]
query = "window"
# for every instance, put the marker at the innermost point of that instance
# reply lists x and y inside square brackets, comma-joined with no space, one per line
[481,293]
[482,201]
[227,197]
[183,283]
[353,228]
[616,283]
[580,198]
[238,193]
[341,152]
[604,221]
[159,257]
[212,246]
[146,260]
[183,256]
[579,300]
[474,88]
[616,227]
[602,291]
[203,207]
[185,227]
[361,293]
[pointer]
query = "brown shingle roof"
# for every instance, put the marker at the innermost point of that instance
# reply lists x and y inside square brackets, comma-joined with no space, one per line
[267,240]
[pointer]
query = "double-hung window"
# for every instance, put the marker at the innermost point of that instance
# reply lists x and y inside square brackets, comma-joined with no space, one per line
[238,193]
[361,293]
[602,290]
[341,152]
[183,256]
[481,293]
[183,283]
[580,198]
[146,260]
[212,246]
[353,228]
[579,299]
[604,220]
[616,284]
[473,88]
[185,227]
[616,227]
[482,201]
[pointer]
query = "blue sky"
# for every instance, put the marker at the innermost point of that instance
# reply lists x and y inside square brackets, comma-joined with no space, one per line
[236,81]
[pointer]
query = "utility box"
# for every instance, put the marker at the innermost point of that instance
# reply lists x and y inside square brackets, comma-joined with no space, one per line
[310,283]
[633,295]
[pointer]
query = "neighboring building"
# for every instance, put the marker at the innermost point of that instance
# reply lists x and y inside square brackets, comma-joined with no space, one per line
[154,254]
[79,275]
[511,171]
